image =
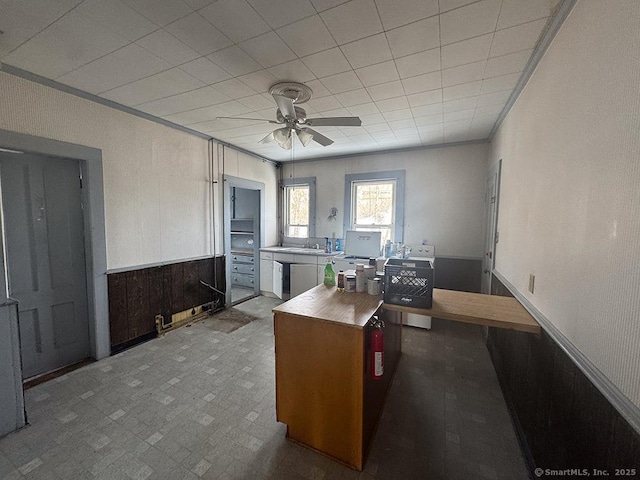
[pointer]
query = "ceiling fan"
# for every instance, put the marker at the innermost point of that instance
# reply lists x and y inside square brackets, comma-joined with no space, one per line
[287,96]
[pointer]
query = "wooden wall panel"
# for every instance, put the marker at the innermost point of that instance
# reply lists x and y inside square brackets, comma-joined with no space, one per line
[118,319]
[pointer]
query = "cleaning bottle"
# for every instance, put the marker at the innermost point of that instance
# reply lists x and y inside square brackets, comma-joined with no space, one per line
[329,274]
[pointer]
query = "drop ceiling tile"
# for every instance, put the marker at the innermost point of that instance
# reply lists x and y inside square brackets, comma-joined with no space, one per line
[479,132]
[236,19]
[205,70]
[495,84]
[403,133]
[469,21]
[368,51]
[457,130]
[422,83]
[488,110]
[164,84]
[319,90]
[260,81]
[198,4]
[419,63]
[352,21]
[493,98]
[234,88]
[395,13]
[160,12]
[278,13]
[446,5]
[343,82]
[194,99]
[429,120]
[426,110]
[324,104]
[514,39]
[364,109]
[322,5]
[377,128]
[23,20]
[484,120]
[338,112]
[307,36]
[54,51]
[164,45]
[425,98]
[117,17]
[511,63]
[268,50]
[354,97]
[415,37]
[234,107]
[235,61]
[461,104]
[401,114]
[385,136]
[327,63]
[377,74]
[258,102]
[515,12]
[125,65]
[461,91]
[386,90]
[199,34]
[391,104]
[197,115]
[467,51]
[458,115]
[463,73]
[294,71]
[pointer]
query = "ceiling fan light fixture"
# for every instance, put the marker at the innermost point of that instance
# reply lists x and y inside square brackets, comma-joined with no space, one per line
[305,137]
[282,136]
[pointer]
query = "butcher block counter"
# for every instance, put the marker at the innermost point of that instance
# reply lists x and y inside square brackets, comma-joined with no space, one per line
[324,392]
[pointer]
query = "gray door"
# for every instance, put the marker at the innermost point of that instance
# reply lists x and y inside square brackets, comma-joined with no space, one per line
[41,203]
[492,194]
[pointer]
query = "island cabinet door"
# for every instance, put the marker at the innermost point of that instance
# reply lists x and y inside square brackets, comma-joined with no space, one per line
[319,367]
[375,390]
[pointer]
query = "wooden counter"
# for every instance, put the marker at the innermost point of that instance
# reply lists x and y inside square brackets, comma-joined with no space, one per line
[489,310]
[324,392]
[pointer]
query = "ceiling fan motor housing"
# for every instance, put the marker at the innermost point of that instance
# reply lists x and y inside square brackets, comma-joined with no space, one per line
[297,92]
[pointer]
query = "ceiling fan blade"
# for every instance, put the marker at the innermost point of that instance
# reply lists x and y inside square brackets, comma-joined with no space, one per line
[334,122]
[246,118]
[285,104]
[318,137]
[268,139]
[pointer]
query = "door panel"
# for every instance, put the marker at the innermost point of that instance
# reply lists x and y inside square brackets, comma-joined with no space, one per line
[303,278]
[277,278]
[491,220]
[45,259]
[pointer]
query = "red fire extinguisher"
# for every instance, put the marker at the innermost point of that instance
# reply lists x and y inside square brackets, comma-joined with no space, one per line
[377,349]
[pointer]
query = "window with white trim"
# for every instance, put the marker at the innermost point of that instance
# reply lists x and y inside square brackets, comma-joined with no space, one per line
[299,207]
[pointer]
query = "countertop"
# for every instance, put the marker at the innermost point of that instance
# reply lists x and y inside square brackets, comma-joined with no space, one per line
[298,250]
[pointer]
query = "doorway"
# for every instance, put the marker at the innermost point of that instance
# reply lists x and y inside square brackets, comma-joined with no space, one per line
[492,196]
[244,235]
[45,259]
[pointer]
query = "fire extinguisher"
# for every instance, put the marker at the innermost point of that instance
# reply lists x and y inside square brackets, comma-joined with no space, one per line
[377,349]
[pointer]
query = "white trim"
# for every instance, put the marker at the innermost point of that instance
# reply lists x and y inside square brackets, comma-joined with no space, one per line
[629,411]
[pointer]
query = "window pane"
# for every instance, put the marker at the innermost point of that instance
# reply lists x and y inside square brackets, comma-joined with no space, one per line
[374,203]
[298,205]
[297,231]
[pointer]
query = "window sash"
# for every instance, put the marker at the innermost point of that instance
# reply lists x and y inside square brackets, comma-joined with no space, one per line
[296,230]
[387,227]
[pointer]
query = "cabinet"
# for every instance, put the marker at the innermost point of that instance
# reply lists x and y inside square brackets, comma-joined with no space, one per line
[243,252]
[266,271]
[291,274]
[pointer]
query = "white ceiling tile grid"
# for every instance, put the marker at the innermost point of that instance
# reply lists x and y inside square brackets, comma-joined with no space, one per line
[416,72]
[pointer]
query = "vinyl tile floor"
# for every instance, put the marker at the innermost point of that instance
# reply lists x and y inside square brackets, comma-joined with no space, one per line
[197,403]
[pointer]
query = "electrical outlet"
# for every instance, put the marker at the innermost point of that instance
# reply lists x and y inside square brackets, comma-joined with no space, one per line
[532,282]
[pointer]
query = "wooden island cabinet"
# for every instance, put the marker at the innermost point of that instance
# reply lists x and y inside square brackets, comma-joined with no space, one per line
[324,391]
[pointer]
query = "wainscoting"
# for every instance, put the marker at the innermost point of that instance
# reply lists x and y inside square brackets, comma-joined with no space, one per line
[561,418]
[137,296]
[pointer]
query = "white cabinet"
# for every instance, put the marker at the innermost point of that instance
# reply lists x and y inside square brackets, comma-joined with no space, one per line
[303,278]
[266,271]
[278,274]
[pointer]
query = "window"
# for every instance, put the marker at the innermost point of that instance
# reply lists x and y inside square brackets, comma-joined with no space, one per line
[375,202]
[372,207]
[299,207]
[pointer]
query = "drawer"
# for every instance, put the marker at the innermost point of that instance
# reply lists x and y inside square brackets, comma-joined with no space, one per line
[307,259]
[242,268]
[266,255]
[242,279]
[284,257]
[242,258]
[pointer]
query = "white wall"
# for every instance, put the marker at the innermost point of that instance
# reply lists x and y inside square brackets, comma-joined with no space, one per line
[570,191]
[444,194]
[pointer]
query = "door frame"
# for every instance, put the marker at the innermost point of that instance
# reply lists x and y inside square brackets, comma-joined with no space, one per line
[90,160]
[229,183]
[491,234]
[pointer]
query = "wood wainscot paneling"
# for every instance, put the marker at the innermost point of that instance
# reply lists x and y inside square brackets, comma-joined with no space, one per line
[562,420]
[137,296]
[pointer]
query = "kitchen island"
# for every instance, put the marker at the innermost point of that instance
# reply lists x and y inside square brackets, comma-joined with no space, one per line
[324,390]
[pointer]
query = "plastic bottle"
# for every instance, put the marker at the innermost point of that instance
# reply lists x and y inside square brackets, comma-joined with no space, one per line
[329,274]
[387,249]
[338,244]
[341,281]
[360,279]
